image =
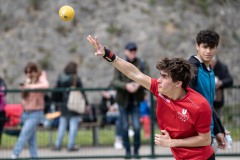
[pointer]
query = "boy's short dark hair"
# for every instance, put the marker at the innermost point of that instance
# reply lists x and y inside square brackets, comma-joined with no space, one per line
[178,68]
[208,37]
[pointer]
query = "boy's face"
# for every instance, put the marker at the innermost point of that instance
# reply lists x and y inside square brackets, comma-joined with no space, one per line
[165,84]
[205,53]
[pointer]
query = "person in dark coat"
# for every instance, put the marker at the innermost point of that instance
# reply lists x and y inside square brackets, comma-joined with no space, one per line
[223,79]
[129,95]
[2,106]
[68,118]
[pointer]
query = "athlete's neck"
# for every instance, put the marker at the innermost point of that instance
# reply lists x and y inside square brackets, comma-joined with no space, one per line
[179,94]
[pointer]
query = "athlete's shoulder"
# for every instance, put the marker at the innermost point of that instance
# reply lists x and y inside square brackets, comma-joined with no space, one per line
[154,86]
[196,98]
[195,94]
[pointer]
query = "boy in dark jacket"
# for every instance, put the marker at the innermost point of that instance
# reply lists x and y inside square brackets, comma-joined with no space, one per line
[204,80]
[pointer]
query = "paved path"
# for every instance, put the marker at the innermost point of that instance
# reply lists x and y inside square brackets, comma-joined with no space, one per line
[106,151]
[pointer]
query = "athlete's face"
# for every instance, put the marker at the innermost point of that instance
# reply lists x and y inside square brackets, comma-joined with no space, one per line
[205,53]
[165,84]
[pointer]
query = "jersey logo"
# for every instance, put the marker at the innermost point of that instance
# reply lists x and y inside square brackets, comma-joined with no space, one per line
[184,111]
[183,116]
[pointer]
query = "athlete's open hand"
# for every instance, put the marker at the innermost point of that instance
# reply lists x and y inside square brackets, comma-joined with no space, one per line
[99,48]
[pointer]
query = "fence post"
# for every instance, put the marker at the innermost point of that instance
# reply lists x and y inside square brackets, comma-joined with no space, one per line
[152,109]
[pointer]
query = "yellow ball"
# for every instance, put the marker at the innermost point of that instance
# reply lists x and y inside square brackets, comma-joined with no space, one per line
[66,13]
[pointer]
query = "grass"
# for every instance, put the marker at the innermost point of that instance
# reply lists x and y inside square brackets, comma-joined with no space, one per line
[235,133]
[231,120]
[84,138]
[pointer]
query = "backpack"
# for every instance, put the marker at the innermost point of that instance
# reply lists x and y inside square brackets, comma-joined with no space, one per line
[76,101]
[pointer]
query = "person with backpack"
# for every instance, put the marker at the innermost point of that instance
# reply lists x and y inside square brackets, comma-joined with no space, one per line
[2,106]
[129,95]
[69,78]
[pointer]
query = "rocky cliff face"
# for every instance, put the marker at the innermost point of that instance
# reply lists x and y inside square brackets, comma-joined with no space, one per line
[31,30]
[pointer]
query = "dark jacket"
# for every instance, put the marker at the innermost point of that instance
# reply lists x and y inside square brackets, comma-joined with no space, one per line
[123,97]
[204,83]
[3,118]
[2,94]
[104,107]
[221,71]
[105,104]
[61,98]
[204,80]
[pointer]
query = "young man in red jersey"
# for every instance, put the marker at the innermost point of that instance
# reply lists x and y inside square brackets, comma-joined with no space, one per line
[183,115]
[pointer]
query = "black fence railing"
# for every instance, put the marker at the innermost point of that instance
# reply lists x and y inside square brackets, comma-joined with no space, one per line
[97,142]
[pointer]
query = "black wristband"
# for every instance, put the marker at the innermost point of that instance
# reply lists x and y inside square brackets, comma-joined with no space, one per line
[109,55]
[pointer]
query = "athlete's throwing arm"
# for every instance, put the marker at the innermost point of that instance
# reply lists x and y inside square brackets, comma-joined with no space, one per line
[123,66]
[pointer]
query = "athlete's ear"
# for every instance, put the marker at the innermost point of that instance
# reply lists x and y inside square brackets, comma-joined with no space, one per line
[179,84]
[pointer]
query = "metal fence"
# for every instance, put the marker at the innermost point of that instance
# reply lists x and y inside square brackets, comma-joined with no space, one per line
[97,143]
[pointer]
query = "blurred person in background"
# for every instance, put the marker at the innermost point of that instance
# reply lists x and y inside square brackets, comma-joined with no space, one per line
[145,118]
[33,106]
[2,106]
[223,79]
[129,95]
[68,119]
[110,115]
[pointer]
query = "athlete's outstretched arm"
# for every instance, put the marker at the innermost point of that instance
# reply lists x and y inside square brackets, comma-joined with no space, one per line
[123,66]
